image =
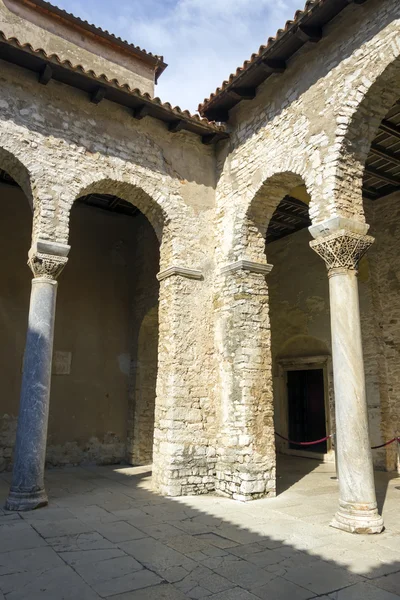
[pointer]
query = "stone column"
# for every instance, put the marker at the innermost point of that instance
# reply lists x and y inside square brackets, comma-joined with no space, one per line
[46,260]
[342,243]
[245,467]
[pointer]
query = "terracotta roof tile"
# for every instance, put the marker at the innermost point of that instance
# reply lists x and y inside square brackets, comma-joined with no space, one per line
[309,6]
[102,78]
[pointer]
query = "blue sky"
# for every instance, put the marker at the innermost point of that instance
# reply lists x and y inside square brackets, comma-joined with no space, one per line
[202,41]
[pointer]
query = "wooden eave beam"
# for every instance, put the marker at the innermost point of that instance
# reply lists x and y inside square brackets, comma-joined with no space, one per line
[242,93]
[382,176]
[141,111]
[390,128]
[309,34]
[98,95]
[272,65]
[177,125]
[45,74]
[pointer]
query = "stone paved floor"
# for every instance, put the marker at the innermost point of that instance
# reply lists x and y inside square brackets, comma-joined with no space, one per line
[105,534]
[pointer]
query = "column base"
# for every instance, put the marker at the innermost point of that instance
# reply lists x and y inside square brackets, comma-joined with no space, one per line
[24,501]
[358,520]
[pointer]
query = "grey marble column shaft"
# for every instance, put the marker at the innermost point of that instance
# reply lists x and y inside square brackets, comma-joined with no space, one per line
[357,503]
[27,491]
[342,243]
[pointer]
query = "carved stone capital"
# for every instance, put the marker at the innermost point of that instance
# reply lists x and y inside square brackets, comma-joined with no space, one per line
[342,249]
[47,259]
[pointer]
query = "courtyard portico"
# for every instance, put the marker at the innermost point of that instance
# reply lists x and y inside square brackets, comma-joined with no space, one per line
[195,319]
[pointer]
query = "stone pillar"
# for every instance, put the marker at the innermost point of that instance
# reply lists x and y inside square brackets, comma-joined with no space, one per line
[46,259]
[181,461]
[342,243]
[245,467]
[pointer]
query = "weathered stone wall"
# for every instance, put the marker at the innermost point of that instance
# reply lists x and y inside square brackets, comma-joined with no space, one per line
[299,130]
[80,48]
[59,146]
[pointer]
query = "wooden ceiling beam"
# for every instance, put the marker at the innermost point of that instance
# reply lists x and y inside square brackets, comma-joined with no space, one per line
[382,152]
[384,177]
[390,128]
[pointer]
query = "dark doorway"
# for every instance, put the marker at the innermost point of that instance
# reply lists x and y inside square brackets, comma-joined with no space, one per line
[306,407]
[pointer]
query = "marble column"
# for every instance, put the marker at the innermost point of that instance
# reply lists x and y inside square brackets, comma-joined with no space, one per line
[46,260]
[342,243]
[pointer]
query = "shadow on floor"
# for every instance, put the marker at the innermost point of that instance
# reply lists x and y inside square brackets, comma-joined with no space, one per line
[106,534]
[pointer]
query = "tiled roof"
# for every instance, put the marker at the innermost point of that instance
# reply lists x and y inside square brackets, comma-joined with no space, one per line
[309,14]
[144,54]
[176,117]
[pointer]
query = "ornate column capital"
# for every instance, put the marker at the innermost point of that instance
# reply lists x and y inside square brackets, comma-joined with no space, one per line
[47,259]
[342,249]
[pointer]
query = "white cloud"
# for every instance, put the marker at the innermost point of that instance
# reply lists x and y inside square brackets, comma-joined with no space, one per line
[202,41]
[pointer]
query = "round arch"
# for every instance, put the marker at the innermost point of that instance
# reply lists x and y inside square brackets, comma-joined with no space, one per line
[262,207]
[19,172]
[374,91]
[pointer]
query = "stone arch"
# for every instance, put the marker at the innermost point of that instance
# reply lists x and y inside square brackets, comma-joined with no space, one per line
[261,208]
[135,192]
[10,163]
[374,91]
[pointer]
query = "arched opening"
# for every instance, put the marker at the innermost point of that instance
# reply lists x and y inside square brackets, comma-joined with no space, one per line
[15,238]
[300,337]
[103,333]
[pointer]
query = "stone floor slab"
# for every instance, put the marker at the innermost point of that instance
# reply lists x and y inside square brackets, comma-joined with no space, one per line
[56,528]
[321,577]
[245,574]
[282,589]
[18,535]
[158,592]
[390,583]
[106,570]
[61,583]
[155,555]
[118,531]
[363,591]
[128,583]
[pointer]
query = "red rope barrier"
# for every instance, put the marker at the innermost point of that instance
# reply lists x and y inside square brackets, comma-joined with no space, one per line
[303,443]
[395,439]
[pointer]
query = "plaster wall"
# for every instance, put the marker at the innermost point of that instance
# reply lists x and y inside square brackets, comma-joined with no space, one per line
[15,235]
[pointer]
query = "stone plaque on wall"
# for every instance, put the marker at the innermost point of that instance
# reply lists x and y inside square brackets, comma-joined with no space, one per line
[61,362]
